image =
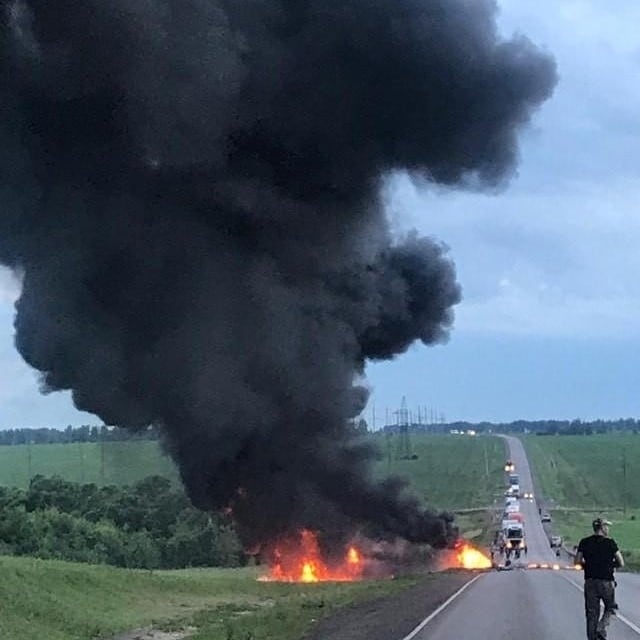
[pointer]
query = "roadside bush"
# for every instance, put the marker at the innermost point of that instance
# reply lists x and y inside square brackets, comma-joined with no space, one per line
[150,525]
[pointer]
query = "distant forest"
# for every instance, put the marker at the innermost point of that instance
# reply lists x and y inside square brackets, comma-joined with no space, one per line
[85,433]
[103,433]
[539,427]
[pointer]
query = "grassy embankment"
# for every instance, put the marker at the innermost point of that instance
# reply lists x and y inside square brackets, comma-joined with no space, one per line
[55,600]
[62,601]
[589,476]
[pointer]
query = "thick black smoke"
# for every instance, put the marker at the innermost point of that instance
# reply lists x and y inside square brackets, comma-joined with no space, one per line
[191,191]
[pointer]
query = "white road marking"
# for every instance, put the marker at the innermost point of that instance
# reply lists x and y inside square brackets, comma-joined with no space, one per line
[446,603]
[620,617]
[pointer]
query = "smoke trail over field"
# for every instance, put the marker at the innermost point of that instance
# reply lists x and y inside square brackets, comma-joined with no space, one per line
[190,188]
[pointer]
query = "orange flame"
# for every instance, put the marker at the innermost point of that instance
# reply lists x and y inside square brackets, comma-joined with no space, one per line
[471,558]
[300,560]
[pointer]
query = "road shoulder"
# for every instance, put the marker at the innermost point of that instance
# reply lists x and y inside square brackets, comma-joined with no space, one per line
[391,617]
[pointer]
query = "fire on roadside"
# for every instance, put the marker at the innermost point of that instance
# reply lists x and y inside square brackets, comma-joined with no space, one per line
[463,555]
[299,559]
[471,558]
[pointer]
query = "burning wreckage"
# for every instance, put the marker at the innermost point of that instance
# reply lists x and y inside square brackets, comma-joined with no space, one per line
[192,200]
[299,559]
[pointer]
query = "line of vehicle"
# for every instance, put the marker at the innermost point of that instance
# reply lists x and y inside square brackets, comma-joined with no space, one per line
[445,604]
[620,617]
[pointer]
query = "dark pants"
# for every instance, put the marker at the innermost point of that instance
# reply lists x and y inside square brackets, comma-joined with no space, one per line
[594,591]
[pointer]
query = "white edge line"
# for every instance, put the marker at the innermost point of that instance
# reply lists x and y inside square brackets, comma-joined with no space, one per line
[440,608]
[620,617]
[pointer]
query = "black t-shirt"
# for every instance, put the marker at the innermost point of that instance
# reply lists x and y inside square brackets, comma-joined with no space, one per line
[599,554]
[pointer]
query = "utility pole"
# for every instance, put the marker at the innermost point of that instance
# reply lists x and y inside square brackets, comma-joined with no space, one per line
[29,467]
[624,488]
[486,461]
[81,457]
[404,444]
[101,458]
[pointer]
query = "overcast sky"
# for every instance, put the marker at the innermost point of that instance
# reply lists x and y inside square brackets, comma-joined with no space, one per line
[550,320]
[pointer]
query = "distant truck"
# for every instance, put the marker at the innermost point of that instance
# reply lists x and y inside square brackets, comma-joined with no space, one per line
[507,522]
[514,485]
[512,538]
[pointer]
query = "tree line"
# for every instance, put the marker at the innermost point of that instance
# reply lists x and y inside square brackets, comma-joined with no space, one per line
[149,525]
[85,433]
[103,433]
[540,427]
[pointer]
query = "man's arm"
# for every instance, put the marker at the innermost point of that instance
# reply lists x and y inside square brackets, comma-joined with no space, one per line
[619,560]
[578,559]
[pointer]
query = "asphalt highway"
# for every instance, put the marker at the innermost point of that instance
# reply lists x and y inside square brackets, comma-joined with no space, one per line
[529,604]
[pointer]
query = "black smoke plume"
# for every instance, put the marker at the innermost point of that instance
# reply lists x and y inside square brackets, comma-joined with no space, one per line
[190,189]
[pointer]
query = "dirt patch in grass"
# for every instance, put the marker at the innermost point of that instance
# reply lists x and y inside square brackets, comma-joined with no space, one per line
[156,634]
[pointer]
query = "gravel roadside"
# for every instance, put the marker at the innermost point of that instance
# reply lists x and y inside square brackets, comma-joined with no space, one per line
[391,617]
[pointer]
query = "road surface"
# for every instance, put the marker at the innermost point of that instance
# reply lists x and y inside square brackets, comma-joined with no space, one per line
[529,604]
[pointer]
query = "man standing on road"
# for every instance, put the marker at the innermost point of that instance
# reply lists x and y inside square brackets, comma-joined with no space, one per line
[599,555]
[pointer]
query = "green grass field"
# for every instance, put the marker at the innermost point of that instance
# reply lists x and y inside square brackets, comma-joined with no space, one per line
[101,463]
[588,472]
[583,477]
[52,600]
[458,473]
[451,472]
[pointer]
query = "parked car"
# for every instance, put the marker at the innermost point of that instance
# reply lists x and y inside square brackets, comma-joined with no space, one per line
[546,517]
[555,541]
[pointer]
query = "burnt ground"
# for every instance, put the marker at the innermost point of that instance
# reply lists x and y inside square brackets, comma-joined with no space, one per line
[391,617]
